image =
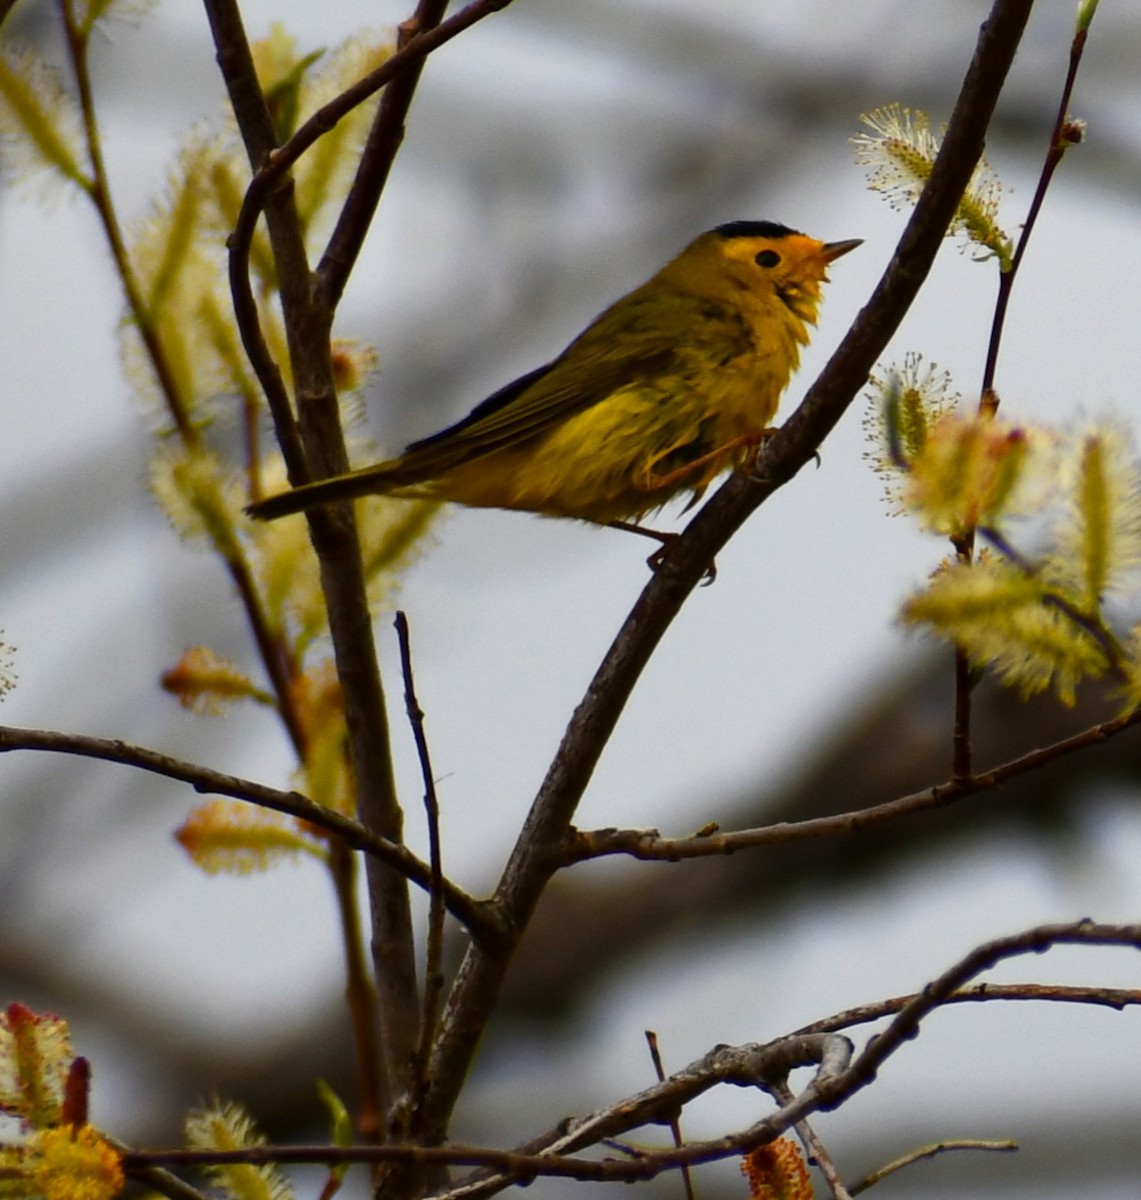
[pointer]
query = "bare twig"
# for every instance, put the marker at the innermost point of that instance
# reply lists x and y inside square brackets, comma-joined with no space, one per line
[360,993]
[817,1151]
[924,1152]
[235,61]
[837,1079]
[962,753]
[100,192]
[267,192]
[1055,152]
[468,911]
[905,1025]
[165,1184]
[965,677]
[753,1066]
[675,1121]
[434,943]
[649,844]
[838,1076]
[983,993]
[376,159]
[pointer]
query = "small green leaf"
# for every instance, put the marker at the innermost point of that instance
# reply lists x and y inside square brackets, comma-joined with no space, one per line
[341,1134]
[341,1131]
[1086,10]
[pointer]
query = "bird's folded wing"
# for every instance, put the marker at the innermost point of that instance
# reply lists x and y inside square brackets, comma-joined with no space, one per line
[599,364]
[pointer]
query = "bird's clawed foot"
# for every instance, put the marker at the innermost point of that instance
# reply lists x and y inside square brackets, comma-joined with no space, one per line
[751,464]
[657,560]
[752,460]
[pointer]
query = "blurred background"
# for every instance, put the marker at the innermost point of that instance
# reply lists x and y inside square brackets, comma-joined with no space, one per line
[556,156]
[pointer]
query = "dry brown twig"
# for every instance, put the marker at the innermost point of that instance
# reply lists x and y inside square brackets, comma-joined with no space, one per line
[468,911]
[648,844]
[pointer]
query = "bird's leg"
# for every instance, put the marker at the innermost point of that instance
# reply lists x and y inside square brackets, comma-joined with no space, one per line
[666,539]
[654,562]
[669,482]
[657,535]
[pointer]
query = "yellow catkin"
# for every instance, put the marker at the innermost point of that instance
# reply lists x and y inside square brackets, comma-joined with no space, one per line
[74,1164]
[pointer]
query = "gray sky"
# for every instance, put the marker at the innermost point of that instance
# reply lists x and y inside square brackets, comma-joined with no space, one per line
[556,157]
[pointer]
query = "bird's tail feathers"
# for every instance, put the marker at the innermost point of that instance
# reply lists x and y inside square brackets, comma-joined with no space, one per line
[385,478]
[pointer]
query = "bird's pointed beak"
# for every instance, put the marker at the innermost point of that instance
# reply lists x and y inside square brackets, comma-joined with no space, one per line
[833,250]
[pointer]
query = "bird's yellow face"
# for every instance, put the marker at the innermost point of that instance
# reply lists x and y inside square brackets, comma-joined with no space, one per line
[763,260]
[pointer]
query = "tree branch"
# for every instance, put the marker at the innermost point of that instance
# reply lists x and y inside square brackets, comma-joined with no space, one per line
[473,915]
[537,851]
[316,446]
[982,993]
[739,1066]
[905,1025]
[376,160]
[923,1152]
[270,165]
[649,845]
[434,942]
[838,1076]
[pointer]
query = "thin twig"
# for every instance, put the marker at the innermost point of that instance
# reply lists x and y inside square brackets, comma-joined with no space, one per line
[235,60]
[675,1120]
[266,191]
[360,993]
[988,398]
[376,159]
[473,915]
[962,751]
[649,844]
[815,1148]
[837,1078]
[905,1025]
[100,193]
[165,1184]
[739,1066]
[924,1152]
[965,678]
[1055,152]
[983,993]
[434,943]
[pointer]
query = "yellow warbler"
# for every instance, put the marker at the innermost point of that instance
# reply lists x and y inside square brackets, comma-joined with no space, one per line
[670,386]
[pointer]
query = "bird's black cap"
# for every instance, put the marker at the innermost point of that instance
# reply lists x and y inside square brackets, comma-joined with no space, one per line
[751,229]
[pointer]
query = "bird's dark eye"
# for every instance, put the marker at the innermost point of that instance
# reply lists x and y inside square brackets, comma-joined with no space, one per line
[767,258]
